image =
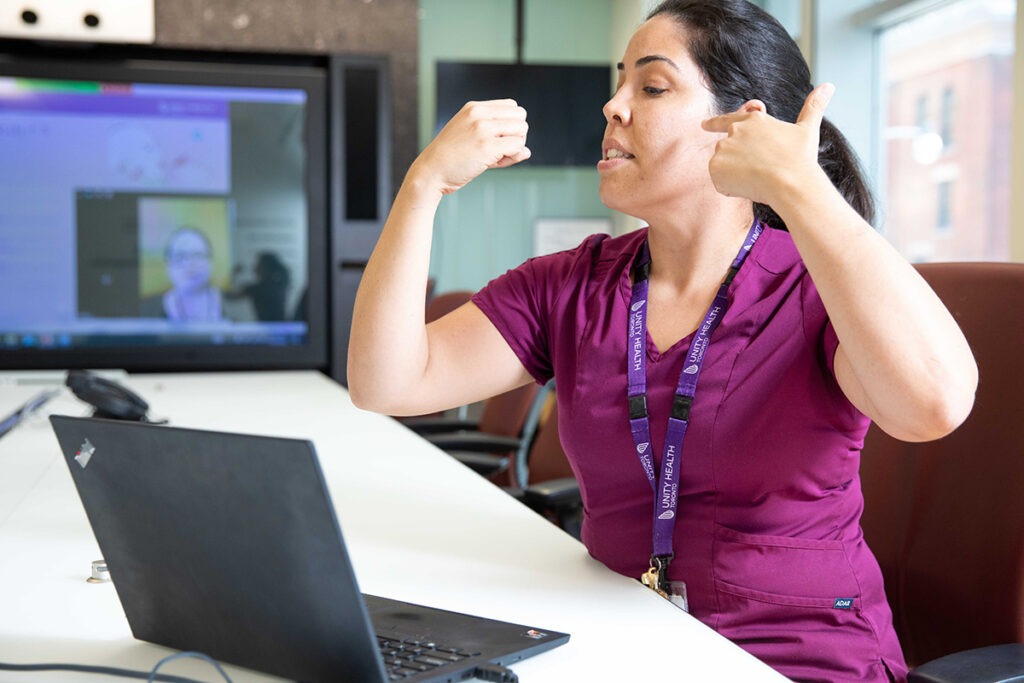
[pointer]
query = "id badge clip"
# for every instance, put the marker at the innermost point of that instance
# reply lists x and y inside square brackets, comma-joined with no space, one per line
[656,578]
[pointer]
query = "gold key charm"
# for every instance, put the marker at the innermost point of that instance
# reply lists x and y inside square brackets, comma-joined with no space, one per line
[650,579]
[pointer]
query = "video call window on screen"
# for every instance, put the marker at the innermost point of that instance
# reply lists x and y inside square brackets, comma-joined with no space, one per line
[164,207]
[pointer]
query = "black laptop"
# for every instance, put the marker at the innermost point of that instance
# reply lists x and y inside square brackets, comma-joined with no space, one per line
[228,544]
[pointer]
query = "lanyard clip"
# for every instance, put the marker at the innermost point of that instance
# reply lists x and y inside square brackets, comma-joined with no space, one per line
[637,407]
[681,407]
[659,569]
[641,271]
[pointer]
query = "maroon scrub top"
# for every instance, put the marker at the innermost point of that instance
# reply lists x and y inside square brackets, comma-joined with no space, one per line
[767,539]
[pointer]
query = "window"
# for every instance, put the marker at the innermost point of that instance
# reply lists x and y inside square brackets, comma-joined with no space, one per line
[944,191]
[946,120]
[964,46]
[921,113]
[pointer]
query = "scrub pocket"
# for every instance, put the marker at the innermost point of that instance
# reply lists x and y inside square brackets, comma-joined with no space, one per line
[796,604]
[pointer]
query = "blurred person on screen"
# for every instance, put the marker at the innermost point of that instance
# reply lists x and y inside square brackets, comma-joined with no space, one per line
[192,296]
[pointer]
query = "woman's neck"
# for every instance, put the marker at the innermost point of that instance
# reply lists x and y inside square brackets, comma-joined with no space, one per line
[696,255]
[687,267]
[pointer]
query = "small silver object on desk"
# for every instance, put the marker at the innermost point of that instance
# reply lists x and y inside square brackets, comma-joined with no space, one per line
[100,573]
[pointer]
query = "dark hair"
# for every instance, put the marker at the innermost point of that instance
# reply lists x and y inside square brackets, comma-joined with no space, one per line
[745,54]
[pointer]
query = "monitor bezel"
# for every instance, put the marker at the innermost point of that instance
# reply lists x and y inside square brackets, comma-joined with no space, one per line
[152,65]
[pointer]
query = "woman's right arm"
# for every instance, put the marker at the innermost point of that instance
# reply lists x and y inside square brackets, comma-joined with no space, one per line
[396,363]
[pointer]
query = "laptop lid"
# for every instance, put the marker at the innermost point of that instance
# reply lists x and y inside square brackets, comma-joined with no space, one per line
[228,544]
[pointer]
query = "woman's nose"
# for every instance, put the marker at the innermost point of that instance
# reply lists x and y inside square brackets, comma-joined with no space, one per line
[615,109]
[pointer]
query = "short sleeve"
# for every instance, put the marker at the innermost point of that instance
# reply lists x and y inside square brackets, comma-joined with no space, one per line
[527,303]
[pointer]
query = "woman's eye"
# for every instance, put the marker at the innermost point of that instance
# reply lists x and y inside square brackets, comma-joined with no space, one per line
[651,90]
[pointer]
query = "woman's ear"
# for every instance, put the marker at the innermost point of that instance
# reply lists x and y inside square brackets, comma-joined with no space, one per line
[753,105]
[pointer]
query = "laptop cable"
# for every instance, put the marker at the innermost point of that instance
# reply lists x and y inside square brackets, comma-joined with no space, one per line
[150,676]
[495,672]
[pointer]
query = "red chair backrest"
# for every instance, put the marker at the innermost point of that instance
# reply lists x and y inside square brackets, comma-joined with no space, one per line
[946,518]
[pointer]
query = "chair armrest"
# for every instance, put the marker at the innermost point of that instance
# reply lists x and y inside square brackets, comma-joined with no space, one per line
[553,494]
[486,464]
[478,442]
[558,500]
[993,664]
[434,425]
[486,454]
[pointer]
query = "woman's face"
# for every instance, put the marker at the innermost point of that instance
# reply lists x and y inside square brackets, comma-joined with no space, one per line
[655,152]
[188,262]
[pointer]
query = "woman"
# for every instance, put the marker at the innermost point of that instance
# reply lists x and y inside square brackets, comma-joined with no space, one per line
[744,339]
[192,296]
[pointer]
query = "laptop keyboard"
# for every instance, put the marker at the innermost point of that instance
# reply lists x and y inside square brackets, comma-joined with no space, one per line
[405,658]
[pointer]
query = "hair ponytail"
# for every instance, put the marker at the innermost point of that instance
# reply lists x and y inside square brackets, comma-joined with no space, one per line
[840,163]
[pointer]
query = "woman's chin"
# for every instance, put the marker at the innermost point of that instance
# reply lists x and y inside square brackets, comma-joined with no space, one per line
[617,200]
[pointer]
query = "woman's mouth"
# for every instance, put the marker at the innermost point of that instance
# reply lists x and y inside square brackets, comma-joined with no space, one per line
[617,154]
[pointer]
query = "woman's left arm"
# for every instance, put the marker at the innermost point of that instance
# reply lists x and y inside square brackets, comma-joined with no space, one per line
[902,359]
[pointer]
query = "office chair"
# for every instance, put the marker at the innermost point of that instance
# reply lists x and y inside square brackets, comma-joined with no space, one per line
[487,445]
[946,518]
[541,477]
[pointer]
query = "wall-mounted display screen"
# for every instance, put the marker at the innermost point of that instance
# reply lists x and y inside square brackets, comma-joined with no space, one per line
[563,104]
[162,214]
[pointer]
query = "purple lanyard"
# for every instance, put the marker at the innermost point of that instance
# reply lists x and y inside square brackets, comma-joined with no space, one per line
[666,488]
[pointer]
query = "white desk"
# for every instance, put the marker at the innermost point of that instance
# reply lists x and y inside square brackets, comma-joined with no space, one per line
[494,558]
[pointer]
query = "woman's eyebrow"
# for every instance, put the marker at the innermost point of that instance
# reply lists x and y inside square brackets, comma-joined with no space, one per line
[647,60]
